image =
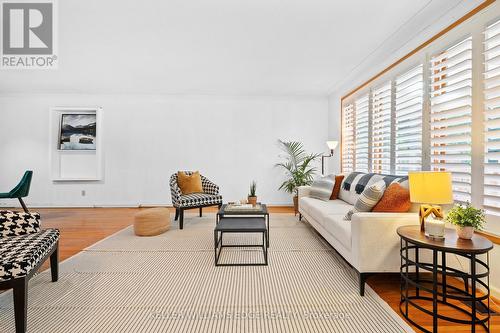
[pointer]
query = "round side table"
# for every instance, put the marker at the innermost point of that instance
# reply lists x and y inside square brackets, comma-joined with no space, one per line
[416,288]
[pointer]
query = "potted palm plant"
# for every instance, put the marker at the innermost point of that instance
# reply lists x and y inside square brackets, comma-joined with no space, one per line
[466,218]
[297,168]
[252,195]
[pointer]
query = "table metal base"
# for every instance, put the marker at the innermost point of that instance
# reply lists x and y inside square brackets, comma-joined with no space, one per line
[441,291]
[218,245]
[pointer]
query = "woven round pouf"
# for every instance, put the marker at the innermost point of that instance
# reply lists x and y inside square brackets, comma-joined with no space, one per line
[151,222]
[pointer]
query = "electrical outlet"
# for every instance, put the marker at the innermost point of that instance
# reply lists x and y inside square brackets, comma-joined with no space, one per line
[83,193]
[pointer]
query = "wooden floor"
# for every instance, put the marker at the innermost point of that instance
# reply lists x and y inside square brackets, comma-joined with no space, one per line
[82,227]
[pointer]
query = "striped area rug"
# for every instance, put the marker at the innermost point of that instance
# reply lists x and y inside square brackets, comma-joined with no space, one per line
[169,283]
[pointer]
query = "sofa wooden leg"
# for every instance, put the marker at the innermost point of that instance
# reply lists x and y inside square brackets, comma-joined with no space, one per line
[176,214]
[300,217]
[362,282]
[21,305]
[181,218]
[201,211]
[54,264]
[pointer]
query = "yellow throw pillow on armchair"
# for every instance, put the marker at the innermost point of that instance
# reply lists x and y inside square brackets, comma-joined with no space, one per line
[189,183]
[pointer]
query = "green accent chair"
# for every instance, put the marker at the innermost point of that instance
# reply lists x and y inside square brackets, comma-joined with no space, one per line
[21,190]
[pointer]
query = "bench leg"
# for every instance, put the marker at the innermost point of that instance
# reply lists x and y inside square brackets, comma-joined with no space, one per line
[54,264]
[23,205]
[21,305]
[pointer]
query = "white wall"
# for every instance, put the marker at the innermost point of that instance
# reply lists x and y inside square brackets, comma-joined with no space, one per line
[232,140]
[334,131]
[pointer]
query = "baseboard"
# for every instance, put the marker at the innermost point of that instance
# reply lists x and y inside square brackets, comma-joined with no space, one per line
[117,206]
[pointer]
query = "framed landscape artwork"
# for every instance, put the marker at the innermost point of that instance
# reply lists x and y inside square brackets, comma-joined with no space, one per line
[77,132]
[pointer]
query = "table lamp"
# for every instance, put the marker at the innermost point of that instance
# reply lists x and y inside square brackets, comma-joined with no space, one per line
[331,145]
[430,189]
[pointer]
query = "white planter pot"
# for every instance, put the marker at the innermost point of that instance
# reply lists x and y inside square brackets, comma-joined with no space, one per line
[465,232]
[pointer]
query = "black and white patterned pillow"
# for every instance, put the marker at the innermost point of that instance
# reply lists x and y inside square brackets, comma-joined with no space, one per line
[355,183]
[18,223]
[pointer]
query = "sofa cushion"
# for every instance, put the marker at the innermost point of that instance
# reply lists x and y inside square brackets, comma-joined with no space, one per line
[338,228]
[395,199]
[319,209]
[322,188]
[355,183]
[336,187]
[368,199]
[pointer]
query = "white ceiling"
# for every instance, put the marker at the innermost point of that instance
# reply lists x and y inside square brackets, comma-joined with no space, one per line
[263,47]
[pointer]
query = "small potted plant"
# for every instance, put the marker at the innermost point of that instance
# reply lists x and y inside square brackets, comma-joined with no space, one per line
[466,218]
[252,196]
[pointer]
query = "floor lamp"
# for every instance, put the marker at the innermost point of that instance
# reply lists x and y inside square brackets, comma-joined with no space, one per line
[332,145]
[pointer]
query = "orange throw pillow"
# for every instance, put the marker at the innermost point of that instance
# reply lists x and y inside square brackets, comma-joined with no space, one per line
[396,199]
[336,187]
[189,183]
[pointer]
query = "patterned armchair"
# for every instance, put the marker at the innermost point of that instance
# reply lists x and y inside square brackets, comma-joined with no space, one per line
[24,247]
[209,197]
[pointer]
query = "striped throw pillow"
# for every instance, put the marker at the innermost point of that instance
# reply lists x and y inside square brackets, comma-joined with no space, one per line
[322,188]
[368,199]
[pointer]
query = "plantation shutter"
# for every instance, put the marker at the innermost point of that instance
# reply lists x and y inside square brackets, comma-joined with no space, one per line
[408,121]
[381,129]
[491,199]
[451,113]
[361,133]
[348,138]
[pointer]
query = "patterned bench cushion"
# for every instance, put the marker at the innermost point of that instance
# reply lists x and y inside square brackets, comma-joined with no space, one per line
[198,199]
[17,223]
[20,254]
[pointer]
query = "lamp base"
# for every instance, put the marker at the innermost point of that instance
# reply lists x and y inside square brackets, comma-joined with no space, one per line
[426,210]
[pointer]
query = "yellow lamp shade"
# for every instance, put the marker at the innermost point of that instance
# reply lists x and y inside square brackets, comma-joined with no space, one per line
[430,187]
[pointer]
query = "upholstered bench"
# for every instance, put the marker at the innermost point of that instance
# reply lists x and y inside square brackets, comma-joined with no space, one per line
[24,247]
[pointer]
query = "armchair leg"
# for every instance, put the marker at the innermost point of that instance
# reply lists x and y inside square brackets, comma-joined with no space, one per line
[181,218]
[201,211]
[21,305]
[54,264]
[23,205]
[176,214]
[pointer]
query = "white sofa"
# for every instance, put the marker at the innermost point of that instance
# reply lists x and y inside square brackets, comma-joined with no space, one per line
[369,242]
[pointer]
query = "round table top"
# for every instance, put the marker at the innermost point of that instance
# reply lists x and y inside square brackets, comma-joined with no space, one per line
[450,243]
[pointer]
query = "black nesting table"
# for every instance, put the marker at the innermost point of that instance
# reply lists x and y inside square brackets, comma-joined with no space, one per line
[240,225]
[224,211]
[417,287]
[241,221]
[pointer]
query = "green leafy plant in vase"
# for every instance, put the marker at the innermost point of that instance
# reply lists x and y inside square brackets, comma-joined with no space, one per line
[466,219]
[297,167]
[252,195]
